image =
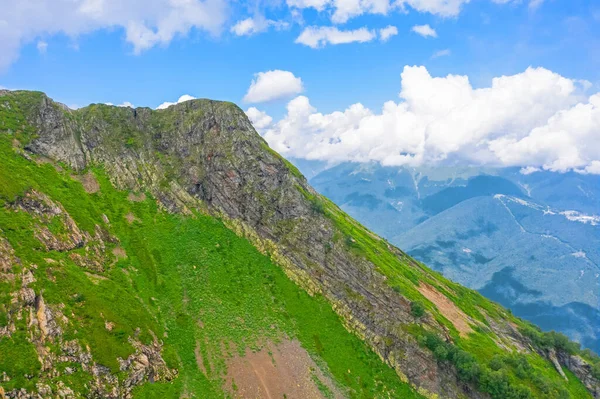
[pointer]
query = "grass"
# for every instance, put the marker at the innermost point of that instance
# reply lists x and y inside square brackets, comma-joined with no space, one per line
[189,280]
[405,275]
[195,285]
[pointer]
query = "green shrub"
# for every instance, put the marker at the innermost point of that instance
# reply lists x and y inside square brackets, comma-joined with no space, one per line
[496,363]
[596,370]
[417,309]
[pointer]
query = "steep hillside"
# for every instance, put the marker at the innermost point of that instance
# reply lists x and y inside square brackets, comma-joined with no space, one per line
[172,254]
[530,242]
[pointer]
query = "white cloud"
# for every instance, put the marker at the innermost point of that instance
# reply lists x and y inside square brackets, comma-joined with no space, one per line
[146,22]
[529,170]
[260,120]
[569,140]
[441,53]
[387,32]
[343,10]
[272,85]
[247,27]
[534,119]
[42,46]
[251,26]
[318,5]
[424,30]
[185,97]
[444,8]
[593,168]
[317,37]
[347,9]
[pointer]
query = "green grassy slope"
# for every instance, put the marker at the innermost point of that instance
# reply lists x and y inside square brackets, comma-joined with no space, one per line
[199,288]
[179,271]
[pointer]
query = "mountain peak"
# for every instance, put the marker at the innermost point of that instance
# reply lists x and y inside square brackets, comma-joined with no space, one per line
[203,159]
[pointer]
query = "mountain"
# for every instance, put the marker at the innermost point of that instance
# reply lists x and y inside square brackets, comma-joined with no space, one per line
[530,242]
[172,253]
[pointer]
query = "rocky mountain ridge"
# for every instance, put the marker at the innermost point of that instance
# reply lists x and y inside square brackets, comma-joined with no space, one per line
[204,157]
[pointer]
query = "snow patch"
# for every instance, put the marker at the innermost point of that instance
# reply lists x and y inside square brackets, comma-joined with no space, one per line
[397,205]
[575,216]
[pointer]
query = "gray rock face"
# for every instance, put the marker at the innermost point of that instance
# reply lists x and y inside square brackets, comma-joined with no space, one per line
[583,371]
[206,155]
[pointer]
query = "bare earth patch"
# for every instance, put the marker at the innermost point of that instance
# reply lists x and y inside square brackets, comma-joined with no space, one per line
[200,359]
[277,371]
[119,253]
[89,182]
[131,218]
[448,309]
[136,197]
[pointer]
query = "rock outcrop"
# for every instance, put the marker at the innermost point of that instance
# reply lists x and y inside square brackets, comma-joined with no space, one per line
[205,156]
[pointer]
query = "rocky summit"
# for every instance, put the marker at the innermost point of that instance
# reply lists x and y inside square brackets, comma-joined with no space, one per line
[172,254]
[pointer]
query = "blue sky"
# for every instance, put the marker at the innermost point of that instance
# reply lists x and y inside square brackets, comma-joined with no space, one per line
[84,51]
[485,39]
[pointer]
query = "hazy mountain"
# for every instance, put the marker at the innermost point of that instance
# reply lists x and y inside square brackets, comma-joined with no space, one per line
[530,242]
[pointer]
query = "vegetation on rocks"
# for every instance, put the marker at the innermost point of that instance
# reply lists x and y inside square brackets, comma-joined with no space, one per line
[228,249]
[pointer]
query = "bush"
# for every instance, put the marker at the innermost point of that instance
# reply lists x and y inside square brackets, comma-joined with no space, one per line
[494,382]
[417,309]
[317,206]
[596,370]
[496,363]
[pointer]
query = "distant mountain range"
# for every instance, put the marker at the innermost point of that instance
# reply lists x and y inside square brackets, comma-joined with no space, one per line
[530,242]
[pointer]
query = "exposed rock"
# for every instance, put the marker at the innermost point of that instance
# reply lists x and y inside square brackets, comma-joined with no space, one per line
[27,296]
[43,209]
[210,159]
[583,370]
[47,321]
[556,363]
[7,256]
[70,237]
[146,364]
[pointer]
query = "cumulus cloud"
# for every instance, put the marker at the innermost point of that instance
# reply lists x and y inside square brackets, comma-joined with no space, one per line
[534,119]
[347,9]
[444,8]
[272,85]
[260,120]
[251,26]
[318,5]
[185,97]
[343,10]
[424,30]
[317,37]
[387,32]
[146,23]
